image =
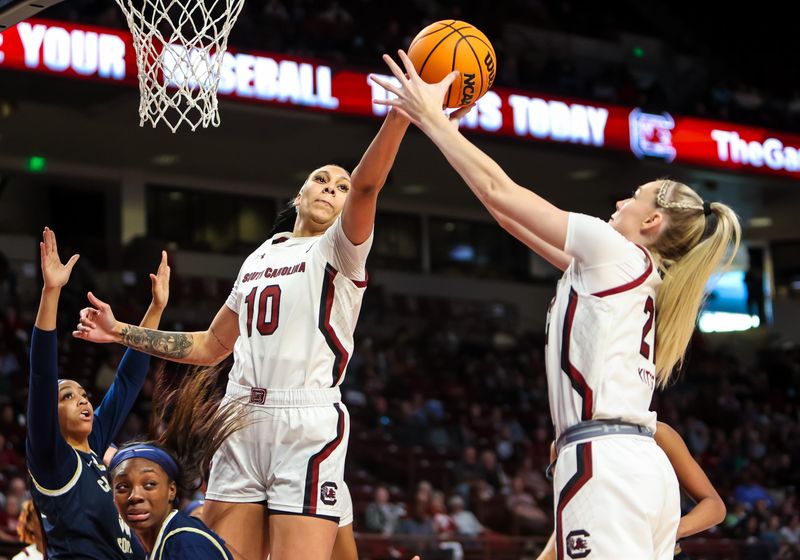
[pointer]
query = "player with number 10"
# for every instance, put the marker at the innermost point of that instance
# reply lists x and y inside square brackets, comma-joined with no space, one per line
[276,486]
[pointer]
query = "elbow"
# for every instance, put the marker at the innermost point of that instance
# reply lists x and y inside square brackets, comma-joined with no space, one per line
[720,511]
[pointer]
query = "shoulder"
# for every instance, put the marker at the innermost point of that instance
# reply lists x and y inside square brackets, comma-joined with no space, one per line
[188,537]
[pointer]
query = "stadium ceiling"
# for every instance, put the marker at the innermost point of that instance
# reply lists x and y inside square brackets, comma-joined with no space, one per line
[93,124]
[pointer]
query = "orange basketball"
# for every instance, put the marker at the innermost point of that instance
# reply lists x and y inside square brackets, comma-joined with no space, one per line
[449,45]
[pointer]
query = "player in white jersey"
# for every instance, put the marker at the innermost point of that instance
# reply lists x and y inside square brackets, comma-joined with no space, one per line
[620,322]
[274,486]
[709,509]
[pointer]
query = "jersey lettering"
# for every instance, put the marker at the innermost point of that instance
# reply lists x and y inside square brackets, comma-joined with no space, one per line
[124,526]
[124,545]
[103,483]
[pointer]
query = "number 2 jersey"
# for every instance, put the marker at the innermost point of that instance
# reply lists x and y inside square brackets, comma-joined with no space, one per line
[298,300]
[601,329]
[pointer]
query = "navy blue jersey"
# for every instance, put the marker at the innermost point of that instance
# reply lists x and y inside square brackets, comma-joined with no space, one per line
[70,487]
[183,537]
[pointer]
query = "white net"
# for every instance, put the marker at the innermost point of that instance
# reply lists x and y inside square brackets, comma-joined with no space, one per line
[179,49]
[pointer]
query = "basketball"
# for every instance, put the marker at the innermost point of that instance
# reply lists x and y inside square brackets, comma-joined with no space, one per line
[449,45]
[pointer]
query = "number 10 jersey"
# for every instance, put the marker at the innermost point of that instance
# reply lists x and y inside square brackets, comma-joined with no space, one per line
[298,300]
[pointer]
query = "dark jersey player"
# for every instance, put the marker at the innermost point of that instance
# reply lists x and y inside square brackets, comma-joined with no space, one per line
[66,438]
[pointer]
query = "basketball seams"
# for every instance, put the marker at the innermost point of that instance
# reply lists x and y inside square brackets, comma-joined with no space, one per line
[436,46]
[418,38]
[477,58]
[465,32]
[486,44]
[453,67]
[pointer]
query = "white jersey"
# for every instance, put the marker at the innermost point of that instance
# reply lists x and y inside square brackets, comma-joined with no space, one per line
[601,329]
[298,300]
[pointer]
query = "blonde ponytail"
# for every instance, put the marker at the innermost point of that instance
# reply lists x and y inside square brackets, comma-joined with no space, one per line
[696,239]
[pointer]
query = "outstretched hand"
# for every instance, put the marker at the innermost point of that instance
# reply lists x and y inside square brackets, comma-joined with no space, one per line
[160,283]
[416,99]
[55,274]
[97,323]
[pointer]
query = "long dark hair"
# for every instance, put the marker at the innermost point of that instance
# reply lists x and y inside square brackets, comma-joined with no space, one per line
[191,423]
[285,219]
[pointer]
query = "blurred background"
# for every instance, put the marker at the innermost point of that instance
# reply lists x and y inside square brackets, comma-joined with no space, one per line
[447,391]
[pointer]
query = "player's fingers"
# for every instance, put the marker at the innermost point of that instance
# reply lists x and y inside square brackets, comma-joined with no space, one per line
[398,73]
[450,78]
[396,103]
[461,112]
[71,262]
[163,263]
[97,302]
[410,70]
[387,85]
[53,244]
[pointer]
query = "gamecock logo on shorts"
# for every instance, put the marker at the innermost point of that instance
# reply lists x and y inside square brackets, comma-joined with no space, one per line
[578,544]
[258,395]
[327,493]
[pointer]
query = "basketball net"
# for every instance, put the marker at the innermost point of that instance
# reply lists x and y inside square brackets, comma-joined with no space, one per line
[179,48]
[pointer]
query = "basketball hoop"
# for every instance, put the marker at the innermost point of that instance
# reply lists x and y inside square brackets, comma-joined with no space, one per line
[179,48]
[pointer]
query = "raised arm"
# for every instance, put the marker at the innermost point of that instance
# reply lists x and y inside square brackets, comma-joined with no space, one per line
[369,176]
[51,461]
[422,103]
[554,256]
[710,509]
[209,347]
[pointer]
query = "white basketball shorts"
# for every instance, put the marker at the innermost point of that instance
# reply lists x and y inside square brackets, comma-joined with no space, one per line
[616,498]
[290,456]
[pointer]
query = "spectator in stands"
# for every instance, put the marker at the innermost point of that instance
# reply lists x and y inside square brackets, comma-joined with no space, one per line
[468,472]
[443,525]
[19,489]
[527,514]
[107,371]
[492,472]
[418,524]
[750,491]
[11,427]
[9,367]
[382,516]
[9,518]
[467,525]
[9,458]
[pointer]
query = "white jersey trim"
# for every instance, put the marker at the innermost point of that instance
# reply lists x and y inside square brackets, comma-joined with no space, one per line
[67,487]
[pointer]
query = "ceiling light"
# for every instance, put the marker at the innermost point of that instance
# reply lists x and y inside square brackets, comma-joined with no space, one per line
[166,159]
[760,222]
[413,189]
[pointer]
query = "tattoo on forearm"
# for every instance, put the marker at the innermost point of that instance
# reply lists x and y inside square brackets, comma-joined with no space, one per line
[168,345]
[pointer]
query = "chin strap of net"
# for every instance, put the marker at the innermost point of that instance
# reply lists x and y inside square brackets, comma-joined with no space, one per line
[180,46]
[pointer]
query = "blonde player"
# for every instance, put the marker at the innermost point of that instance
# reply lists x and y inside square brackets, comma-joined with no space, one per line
[275,485]
[709,509]
[616,329]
